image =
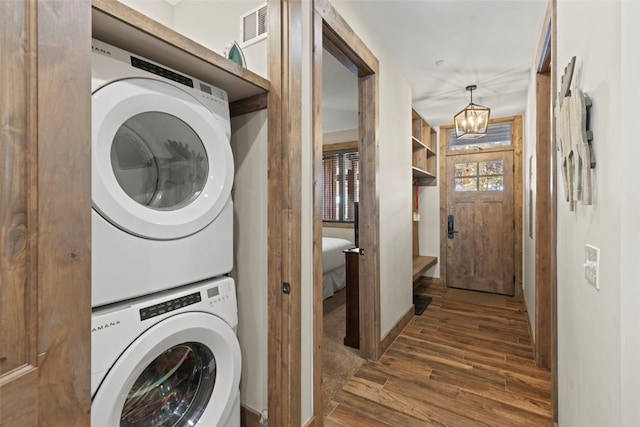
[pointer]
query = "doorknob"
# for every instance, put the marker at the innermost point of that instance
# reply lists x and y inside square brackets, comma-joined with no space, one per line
[450,230]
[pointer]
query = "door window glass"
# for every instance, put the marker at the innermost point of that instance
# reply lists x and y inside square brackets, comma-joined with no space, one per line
[498,135]
[159,161]
[479,176]
[173,390]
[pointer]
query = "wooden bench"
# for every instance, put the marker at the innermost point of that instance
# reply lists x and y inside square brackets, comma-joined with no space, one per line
[422,264]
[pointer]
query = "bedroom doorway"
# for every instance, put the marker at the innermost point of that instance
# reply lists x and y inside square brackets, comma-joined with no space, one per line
[332,33]
[340,197]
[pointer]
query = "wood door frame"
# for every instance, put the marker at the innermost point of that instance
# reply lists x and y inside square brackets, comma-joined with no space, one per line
[45,224]
[332,32]
[284,211]
[516,135]
[546,328]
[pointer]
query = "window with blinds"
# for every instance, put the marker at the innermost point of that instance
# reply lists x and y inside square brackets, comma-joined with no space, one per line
[341,186]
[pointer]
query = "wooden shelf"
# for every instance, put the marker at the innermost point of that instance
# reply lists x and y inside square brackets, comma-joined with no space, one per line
[417,144]
[422,264]
[126,28]
[423,142]
[421,174]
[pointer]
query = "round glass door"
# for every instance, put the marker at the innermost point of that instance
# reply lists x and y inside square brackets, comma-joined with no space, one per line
[162,166]
[173,389]
[182,371]
[159,161]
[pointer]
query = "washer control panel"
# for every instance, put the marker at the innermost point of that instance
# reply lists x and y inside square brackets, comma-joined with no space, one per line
[168,306]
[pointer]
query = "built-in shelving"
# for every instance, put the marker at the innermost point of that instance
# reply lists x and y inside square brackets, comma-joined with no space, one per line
[424,168]
[423,142]
[126,28]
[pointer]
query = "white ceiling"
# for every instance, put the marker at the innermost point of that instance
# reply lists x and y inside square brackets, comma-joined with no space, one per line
[489,43]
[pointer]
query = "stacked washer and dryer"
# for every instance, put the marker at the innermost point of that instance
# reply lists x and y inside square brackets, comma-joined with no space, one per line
[164,316]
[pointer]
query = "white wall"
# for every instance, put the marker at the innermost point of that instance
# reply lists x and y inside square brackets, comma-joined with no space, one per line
[394,177]
[249,144]
[589,321]
[340,136]
[216,25]
[158,10]
[629,217]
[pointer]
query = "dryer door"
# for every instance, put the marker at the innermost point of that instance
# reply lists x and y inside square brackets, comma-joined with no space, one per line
[183,371]
[162,165]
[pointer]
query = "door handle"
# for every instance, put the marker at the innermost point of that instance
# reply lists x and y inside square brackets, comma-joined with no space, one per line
[450,225]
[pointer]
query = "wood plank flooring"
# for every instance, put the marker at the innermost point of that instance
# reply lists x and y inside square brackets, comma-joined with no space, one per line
[466,361]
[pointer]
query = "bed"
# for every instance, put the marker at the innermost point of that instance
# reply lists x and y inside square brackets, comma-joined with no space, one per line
[333,265]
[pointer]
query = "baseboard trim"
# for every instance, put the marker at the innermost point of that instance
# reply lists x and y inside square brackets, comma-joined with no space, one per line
[311,422]
[249,417]
[532,335]
[395,331]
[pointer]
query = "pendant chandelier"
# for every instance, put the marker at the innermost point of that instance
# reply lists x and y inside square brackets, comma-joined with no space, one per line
[472,122]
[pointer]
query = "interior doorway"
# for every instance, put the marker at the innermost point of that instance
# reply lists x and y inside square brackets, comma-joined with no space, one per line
[332,33]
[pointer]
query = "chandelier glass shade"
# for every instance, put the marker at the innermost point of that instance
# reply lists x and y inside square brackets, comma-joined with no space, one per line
[472,121]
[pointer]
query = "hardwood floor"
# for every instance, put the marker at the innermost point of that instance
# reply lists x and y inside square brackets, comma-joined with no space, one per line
[466,361]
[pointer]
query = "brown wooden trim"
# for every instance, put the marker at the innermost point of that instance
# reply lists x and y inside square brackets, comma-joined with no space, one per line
[444,147]
[484,150]
[337,225]
[248,105]
[122,26]
[343,43]
[318,184]
[311,422]
[284,211]
[340,147]
[544,222]
[518,195]
[249,417]
[64,217]
[397,329]
[546,335]
[531,331]
[369,223]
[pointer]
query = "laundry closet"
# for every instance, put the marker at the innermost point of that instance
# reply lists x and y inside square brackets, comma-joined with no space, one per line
[187,233]
[134,252]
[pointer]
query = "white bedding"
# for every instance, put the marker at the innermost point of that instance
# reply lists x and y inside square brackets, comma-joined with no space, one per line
[333,264]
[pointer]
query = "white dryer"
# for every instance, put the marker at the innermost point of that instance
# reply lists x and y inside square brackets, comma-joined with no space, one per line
[162,173]
[170,359]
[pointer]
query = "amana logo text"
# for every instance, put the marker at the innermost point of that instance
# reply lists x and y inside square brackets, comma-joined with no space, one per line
[105,326]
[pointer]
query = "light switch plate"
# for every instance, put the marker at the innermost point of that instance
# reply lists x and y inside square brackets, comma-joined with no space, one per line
[592,265]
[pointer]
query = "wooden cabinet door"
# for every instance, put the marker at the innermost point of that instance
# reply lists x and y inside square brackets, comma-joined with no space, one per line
[480,211]
[45,207]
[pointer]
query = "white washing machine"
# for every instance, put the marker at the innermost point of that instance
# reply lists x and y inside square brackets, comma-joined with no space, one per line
[169,359]
[162,173]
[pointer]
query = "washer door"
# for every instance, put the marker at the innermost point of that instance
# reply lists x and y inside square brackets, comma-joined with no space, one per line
[183,371]
[162,165]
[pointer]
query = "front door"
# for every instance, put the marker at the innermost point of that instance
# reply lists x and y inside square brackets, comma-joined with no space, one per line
[480,221]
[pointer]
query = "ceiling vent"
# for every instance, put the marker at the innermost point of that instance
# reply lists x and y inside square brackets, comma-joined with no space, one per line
[254,25]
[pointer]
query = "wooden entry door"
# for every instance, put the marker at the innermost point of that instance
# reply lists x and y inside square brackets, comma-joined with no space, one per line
[480,222]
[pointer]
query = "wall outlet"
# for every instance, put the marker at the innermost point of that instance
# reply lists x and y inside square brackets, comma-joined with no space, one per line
[591,265]
[416,216]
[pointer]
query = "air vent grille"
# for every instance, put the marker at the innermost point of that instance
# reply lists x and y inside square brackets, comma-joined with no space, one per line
[254,25]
